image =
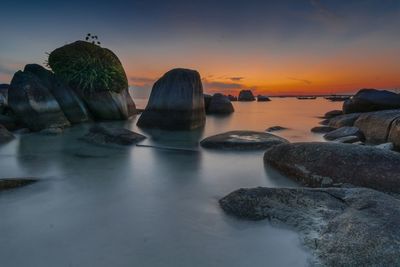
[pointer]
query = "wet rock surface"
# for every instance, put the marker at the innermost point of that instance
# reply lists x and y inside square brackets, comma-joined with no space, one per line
[343,132]
[120,136]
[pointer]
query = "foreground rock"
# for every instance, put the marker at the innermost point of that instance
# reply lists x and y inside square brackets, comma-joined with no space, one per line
[6,184]
[5,135]
[340,226]
[333,113]
[263,98]
[176,102]
[97,76]
[367,100]
[246,95]
[33,103]
[322,129]
[328,164]
[219,104]
[343,120]
[242,140]
[120,136]
[343,132]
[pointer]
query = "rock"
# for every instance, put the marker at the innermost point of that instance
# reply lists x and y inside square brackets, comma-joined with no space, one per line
[246,95]
[3,97]
[207,100]
[343,132]
[385,146]
[33,104]
[219,104]
[176,102]
[5,135]
[242,140]
[120,136]
[333,113]
[394,134]
[73,107]
[52,131]
[325,122]
[340,226]
[262,98]
[322,129]
[275,129]
[325,164]
[376,126]
[343,120]
[351,139]
[9,122]
[22,131]
[232,98]
[6,184]
[97,76]
[367,100]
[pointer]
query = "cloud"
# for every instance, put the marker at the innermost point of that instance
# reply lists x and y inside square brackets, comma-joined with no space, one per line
[308,82]
[5,69]
[236,79]
[215,86]
[323,11]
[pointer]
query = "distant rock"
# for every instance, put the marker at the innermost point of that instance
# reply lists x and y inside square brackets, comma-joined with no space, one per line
[232,98]
[333,113]
[367,100]
[10,183]
[275,129]
[242,140]
[340,226]
[219,104]
[97,76]
[176,102]
[263,98]
[246,95]
[119,136]
[5,135]
[376,126]
[343,132]
[343,120]
[322,129]
[33,103]
[207,100]
[322,164]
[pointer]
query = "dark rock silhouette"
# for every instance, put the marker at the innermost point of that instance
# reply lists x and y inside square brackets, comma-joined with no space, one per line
[367,100]
[219,104]
[5,135]
[263,98]
[176,102]
[333,113]
[322,129]
[343,132]
[232,98]
[120,136]
[246,95]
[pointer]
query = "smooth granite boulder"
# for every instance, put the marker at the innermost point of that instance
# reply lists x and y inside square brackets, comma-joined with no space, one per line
[322,129]
[394,134]
[33,103]
[219,104]
[5,135]
[320,164]
[3,97]
[176,102]
[349,139]
[263,98]
[333,113]
[119,136]
[343,120]
[376,126]
[246,95]
[97,76]
[339,226]
[72,106]
[242,140]
[367,100]
[343,132]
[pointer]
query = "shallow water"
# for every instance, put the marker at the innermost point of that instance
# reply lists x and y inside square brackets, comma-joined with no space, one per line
[141,206]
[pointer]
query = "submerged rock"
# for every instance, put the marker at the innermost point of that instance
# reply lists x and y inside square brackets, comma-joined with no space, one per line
[5,135]
[340,226]
[367,100]
[263,98]
[97,76]
[343,132]
[325,164]
[120,136]
[242,140]
[275,129]
[246,95]
[11,183]
[322,129]
[33,103]
[176,102]
[219,104]
[333,113]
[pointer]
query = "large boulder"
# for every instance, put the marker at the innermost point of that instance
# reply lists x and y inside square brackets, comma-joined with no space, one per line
[340,226]
[376,126]
[246,95]
[33,103]
[242,140]
[325,164]
[176,102]
[343,120]
[109,135]
[394,134]
[5,135]
[343,132]
[219,104]
[72,106]
[97,76]
[371,100]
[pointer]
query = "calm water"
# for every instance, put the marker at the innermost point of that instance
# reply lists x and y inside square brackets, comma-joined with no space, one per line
[139,206]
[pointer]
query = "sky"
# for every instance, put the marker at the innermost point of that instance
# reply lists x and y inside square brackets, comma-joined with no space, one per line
[275,47]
